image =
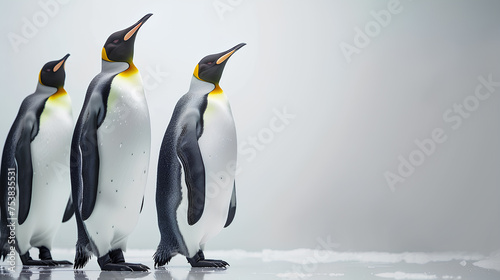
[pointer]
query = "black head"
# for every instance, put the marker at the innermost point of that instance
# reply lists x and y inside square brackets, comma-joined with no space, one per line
[120,45]
[210,68]
[52,73]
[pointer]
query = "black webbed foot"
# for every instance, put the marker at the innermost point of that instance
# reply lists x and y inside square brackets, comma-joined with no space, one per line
[114,261]
[28,261]
[199,260]
[44,255]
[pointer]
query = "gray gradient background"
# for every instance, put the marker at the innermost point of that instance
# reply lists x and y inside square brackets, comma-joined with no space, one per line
[322,176]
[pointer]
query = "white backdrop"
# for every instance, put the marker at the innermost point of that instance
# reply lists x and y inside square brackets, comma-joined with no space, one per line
[372,125]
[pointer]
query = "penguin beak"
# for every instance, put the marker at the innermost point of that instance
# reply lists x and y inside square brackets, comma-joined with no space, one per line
[60,63]
[133,29]
[228,53]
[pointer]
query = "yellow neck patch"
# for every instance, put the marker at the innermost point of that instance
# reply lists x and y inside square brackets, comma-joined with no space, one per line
[217,90]
[59,93]
[132,70]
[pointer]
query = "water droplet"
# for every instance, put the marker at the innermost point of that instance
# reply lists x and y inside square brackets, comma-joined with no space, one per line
[132,153]
[121,145]
[116,191]
[112,180]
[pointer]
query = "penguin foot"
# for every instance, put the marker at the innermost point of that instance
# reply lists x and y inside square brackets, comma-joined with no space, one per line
[124,267]
[161,261]
[39,263]
[115,267]
[114,261]
[199,260]
[82,255]
[163,255]
[137,266]
[63,262]
[44,255]
[5,249]
[28,261]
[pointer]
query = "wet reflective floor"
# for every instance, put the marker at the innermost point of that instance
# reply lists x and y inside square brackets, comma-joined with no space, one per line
[294,264]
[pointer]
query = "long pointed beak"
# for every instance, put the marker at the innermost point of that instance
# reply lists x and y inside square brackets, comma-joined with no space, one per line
[228,53]
[60,63]
[136,26]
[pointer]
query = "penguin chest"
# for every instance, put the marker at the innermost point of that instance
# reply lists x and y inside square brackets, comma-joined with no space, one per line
[124,140]
[218,148]
[51,186]
[218,142]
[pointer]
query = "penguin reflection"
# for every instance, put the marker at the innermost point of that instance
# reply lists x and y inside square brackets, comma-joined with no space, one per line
[195,273]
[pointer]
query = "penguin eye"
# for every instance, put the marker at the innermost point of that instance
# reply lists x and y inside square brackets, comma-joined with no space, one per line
[48,70]
[116,41]
[209,63]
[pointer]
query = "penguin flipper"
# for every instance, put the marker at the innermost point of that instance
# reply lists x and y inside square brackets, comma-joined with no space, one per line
[83,174]
[8,177]
[232,207]
[16,162]
[90,155]
[189,153]
[68,213]
[25,168]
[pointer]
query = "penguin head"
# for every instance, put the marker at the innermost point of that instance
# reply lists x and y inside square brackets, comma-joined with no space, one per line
[210,68]
[52,73]
[120,45]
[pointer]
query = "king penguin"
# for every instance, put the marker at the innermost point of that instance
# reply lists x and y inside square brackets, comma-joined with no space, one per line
[35,179]
[110,156]
[195,191]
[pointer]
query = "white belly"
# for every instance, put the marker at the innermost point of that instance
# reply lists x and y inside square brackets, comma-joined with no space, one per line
[124,141]
[218,149]
[51,185]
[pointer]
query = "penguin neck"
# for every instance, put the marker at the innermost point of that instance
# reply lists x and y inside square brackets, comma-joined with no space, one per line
[202,87]
[114,67]
[217,90]
[131,70]
[45,90]
[59,93]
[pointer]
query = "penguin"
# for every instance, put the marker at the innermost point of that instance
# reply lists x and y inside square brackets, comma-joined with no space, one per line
[35,178]
[110,156]
[195,190]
